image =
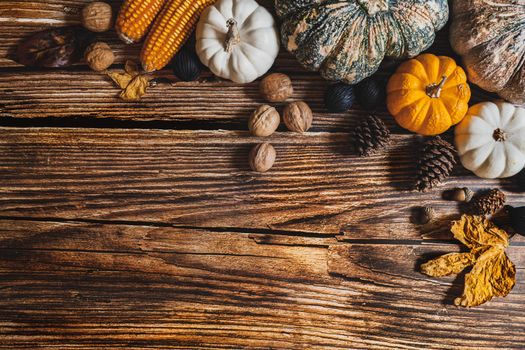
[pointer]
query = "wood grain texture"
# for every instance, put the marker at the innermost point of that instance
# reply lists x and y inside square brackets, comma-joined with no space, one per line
[202,179]
[162,238]
[79,92]
[133,287]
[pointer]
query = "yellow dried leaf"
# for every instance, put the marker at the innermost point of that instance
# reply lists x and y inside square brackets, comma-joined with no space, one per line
[121,79]
[132,83]
[448,264]
[476,231]
[492,275]
[136,89]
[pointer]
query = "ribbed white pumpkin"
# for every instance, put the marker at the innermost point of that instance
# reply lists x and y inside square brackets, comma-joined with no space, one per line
[237,40]
[491,140]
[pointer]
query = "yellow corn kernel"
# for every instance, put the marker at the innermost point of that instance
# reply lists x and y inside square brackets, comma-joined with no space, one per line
[135,18]
[170,31]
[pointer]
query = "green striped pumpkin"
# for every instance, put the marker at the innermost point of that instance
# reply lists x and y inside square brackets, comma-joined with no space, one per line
[347,40]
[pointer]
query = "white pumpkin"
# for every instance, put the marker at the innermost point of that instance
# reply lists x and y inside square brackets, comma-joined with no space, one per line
[237,40]
[491,140]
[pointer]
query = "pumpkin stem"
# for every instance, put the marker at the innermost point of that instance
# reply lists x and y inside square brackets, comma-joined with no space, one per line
[372,7]
[499,135]
[233,37]
[434,90]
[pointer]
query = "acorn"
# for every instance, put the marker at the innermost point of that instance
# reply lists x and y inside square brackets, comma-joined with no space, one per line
[339,98]
[186,65]
[425,215]
[371,93]
[459,194]
[517,218]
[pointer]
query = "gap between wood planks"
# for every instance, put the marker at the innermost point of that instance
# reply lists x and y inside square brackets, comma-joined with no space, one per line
[336,238]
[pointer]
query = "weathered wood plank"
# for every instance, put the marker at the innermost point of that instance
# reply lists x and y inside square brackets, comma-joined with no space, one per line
[201,178]
[67,94]
[85,94]
[88,94]
[122,286]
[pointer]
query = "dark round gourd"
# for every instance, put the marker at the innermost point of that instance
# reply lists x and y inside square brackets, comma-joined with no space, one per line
[339,98]
[186,65]
[517,219]
[371,93]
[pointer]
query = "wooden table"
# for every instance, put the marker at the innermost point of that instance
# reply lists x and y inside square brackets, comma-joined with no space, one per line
[139,225]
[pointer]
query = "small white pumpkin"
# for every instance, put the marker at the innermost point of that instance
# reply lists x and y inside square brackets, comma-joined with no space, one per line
[237,40]
[491,140]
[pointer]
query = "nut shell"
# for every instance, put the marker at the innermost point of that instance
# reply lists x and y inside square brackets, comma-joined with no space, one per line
[298,116]
[276,87]
[425,215]
[99,56]
[262,157]
[97,17]
[264,121]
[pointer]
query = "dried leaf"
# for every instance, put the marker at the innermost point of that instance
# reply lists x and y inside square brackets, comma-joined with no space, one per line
[121,79]
[132,83]
[492,275]
[477,231]
[448,264]
[136,89]
[55,47]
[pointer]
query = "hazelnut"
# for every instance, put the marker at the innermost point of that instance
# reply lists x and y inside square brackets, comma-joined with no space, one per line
[97,17]
[264,121]
[298,116]
[276,87]
[99,56]
[262,157]
[425,215]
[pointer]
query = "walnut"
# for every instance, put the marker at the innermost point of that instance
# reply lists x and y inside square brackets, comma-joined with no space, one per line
[262,157]
[99,56]
[276,87]
[298,116]
[264,121]
[97,17]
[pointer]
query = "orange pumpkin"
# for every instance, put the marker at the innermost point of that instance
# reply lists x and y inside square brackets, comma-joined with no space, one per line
[428,94]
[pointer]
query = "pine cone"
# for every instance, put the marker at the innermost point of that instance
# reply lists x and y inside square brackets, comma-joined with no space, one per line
[488,203]
[435,164]
[370,135]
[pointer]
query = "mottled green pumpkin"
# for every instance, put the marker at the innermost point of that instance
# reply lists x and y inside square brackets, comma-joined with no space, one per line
[347,40]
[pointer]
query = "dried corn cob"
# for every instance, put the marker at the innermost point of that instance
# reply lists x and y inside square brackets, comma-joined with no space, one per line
[170,31]
[135,18]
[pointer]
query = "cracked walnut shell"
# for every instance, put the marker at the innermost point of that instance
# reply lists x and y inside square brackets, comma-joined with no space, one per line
[99,56]
[262,157]
[276,87]
[97,17]
[264,121]
[298,116]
